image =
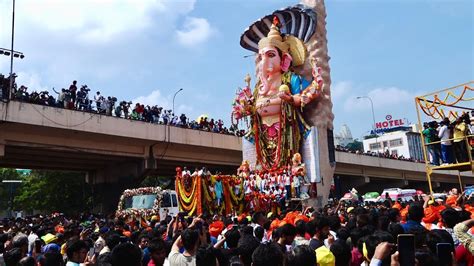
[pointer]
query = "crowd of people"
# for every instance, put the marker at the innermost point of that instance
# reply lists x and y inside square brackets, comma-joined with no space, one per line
[446,141]
[386,154]
[344,233]
[78,98]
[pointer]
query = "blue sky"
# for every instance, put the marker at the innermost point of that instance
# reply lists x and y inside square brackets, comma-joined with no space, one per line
[146,50]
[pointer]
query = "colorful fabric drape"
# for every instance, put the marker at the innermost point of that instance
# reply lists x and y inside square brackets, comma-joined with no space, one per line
[195,194]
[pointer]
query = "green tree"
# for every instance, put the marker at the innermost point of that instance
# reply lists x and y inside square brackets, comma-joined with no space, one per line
[54,191]
[158,181]
[371,136]
[356,145]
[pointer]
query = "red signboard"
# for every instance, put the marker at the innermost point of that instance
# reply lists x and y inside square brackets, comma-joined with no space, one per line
[389,123]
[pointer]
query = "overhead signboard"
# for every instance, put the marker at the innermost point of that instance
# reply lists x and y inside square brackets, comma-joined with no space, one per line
[389,124]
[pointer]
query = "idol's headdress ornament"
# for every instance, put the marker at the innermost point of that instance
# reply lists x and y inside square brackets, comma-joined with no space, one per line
[293,27]
[274,38]
[286,44]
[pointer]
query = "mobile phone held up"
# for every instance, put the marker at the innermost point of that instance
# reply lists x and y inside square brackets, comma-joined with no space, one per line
[91,252]
[406,249]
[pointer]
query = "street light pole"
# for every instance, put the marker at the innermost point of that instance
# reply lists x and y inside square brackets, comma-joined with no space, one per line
[373,118]
[11,53]
[174,96]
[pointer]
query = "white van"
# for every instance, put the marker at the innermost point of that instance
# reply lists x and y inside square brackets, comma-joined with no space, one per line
[396,194]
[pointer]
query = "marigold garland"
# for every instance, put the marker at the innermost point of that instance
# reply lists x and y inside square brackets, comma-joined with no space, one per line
[433,107]
[198,196]
[188,196]
[236,199]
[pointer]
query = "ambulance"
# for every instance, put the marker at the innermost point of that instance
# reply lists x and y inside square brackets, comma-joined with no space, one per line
[396,194]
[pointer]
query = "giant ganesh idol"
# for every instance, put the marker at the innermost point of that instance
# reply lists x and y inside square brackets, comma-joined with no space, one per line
[289,109]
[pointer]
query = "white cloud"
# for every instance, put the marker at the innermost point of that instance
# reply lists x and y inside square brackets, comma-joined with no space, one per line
[357,113]
[383,97]
[94,41]
[95,21]
[3,64]
[31,80]
[184,109]
[391,96]
[195,31]
[340,89]
[156,98]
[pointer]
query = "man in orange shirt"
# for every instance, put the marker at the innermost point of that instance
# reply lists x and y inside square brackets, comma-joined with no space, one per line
[432,212]
[397,205]
[404,213]
[452,198]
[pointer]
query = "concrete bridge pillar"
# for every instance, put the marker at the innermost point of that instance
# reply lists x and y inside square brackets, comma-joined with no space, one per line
[378,185]
[110,182]
[346,183]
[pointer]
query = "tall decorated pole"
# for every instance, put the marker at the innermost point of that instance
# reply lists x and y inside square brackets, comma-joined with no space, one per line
[319,113]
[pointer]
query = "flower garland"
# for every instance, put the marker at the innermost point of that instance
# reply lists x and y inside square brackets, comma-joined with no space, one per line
[140,212]
[207,194]
[197,196]
[208,197]
[237,199]
[187,197]
[189,201]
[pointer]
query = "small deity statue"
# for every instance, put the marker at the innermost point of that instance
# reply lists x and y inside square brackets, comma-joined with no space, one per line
[298,168]
[244,170]
[298,171]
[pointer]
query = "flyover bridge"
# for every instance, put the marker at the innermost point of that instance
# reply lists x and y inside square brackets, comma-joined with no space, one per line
[115,151]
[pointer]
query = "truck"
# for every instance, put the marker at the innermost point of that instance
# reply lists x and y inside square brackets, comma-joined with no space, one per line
[146,203]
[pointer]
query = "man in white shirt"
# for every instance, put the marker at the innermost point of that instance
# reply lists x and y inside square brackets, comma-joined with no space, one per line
[189,239]
[446,143]
[186,171]
[76,252]
[296,185]
[287,181]
[98,99]
[61,97]
[165,116]
[32,238]
[195,173]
